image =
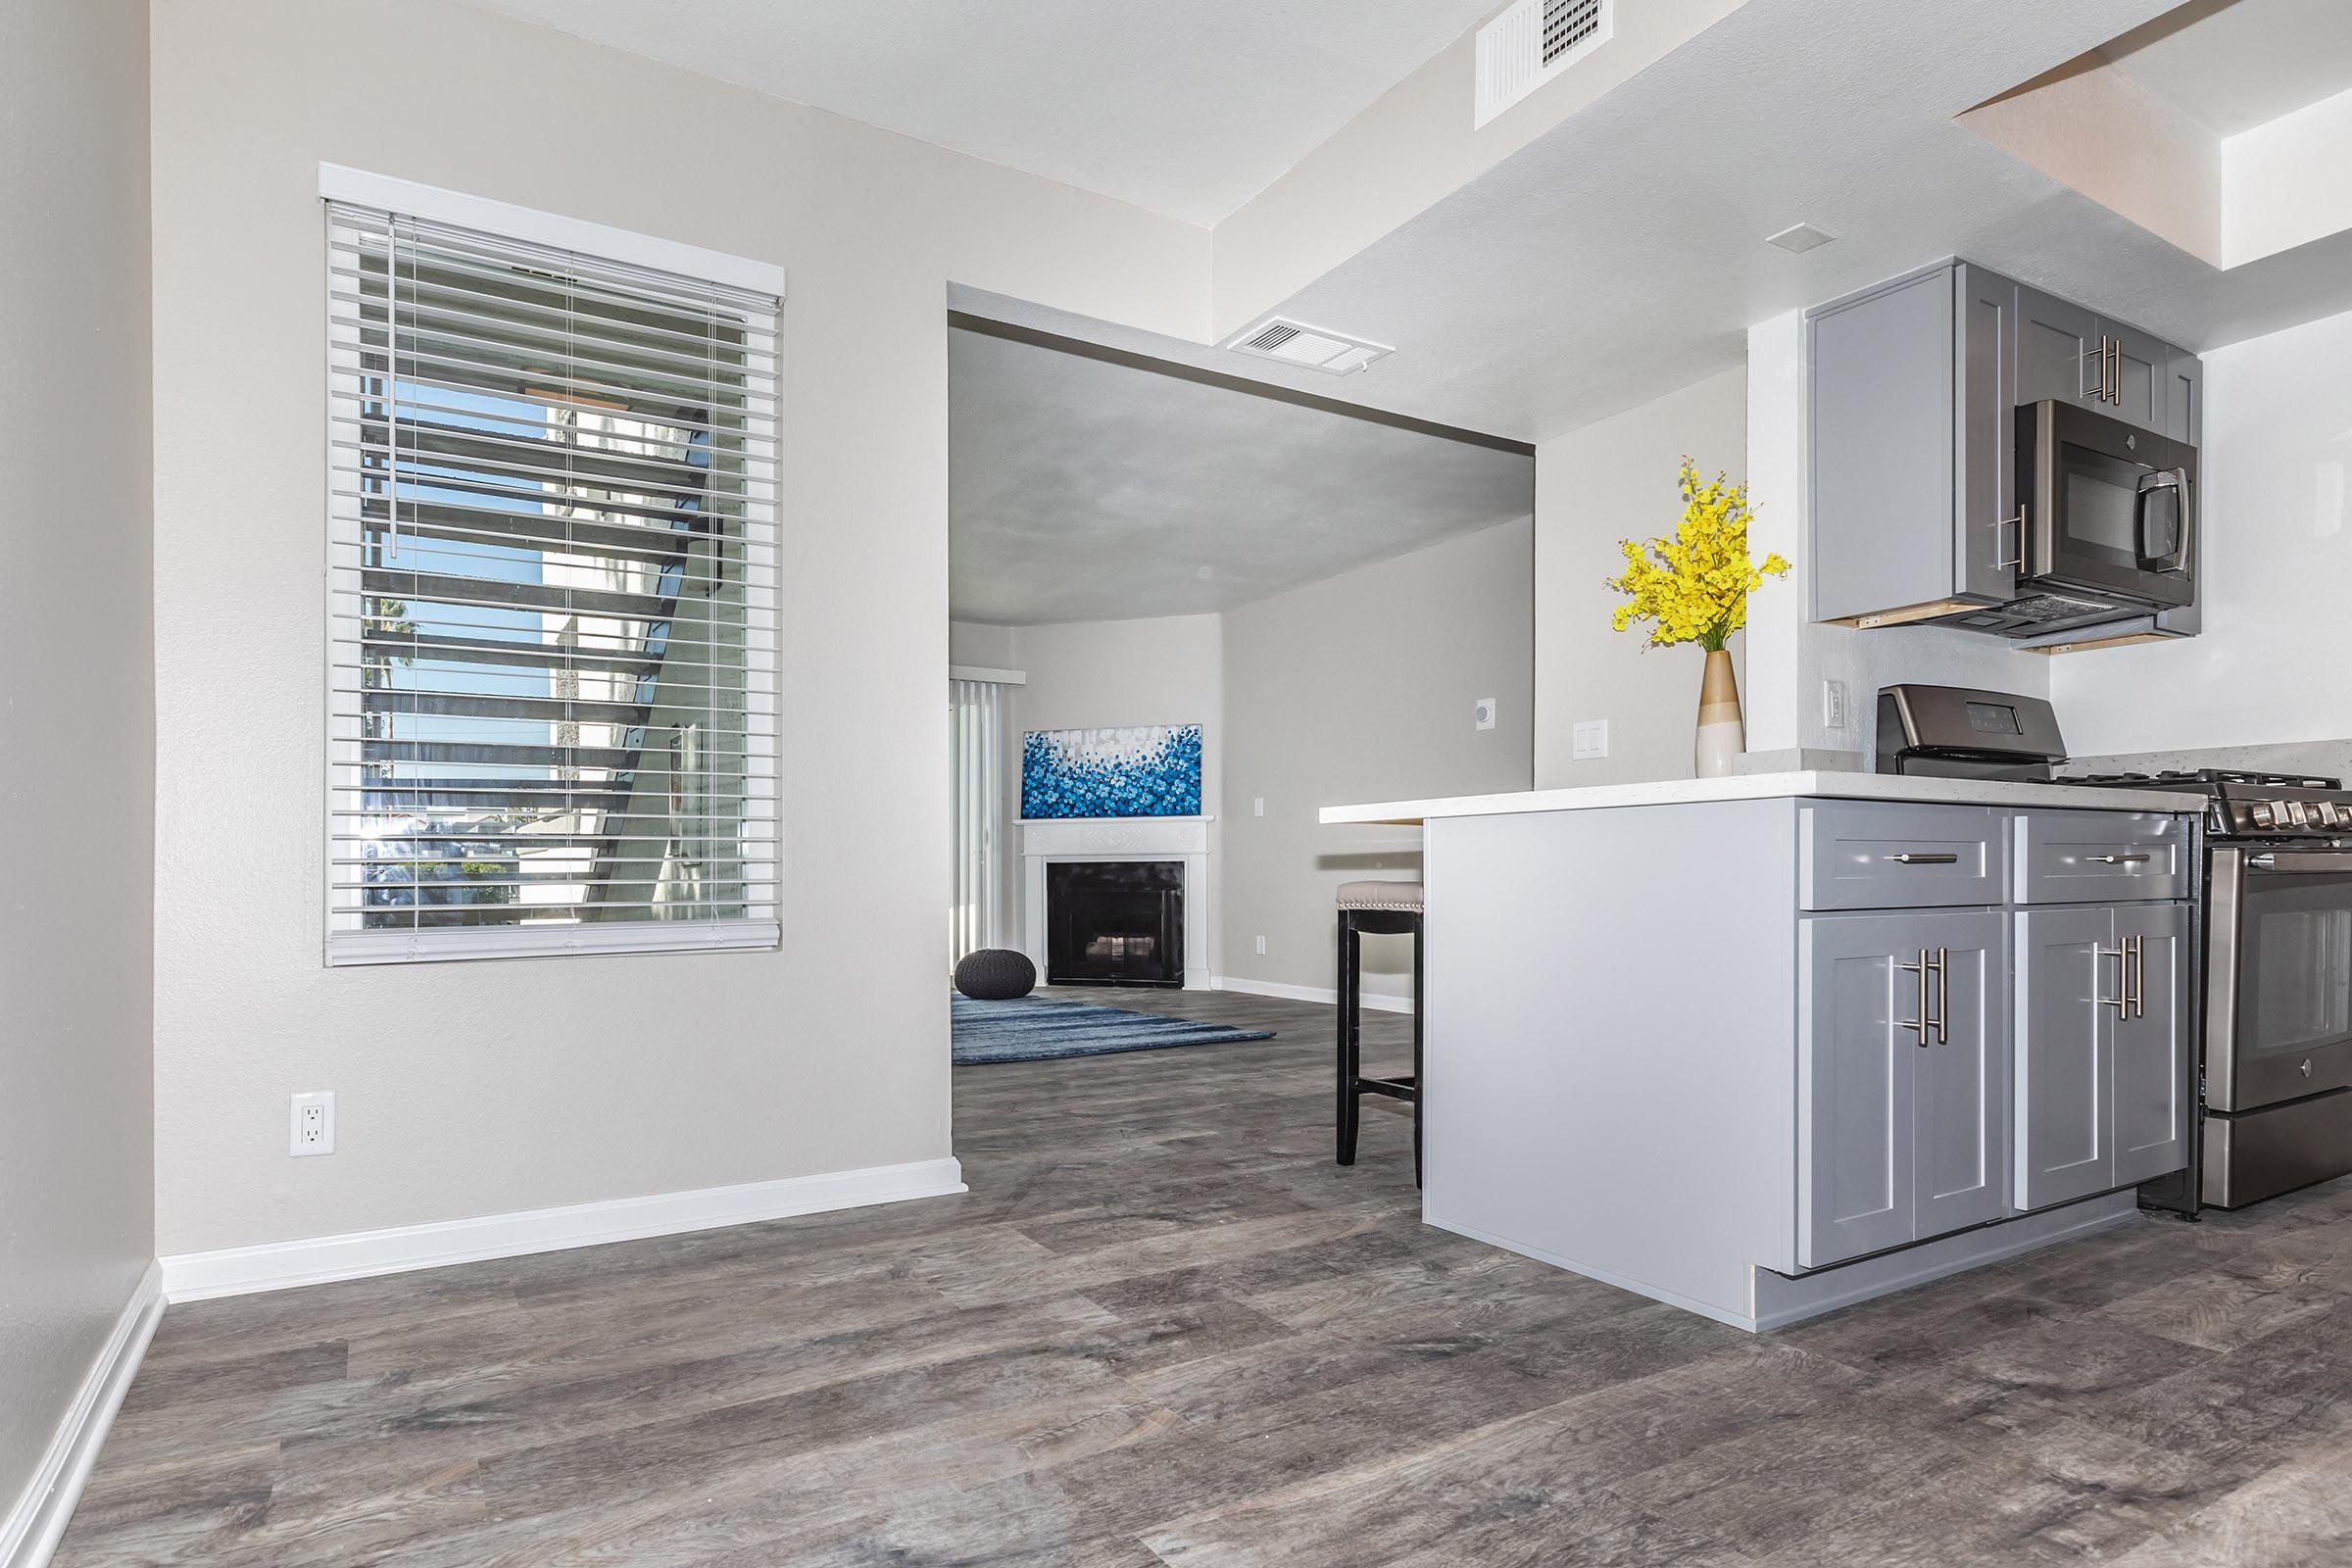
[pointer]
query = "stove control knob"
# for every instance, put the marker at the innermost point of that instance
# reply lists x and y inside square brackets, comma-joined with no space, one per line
[2325,815]
[2295,815]
[2262,814]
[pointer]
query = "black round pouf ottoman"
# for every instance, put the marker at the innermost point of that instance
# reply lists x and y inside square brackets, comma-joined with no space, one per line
[996,975]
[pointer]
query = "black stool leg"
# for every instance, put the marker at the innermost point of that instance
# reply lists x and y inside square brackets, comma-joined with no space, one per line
[1350,1039]
[1420,1078]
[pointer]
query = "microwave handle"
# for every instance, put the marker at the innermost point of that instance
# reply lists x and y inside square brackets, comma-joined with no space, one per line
[2177,482]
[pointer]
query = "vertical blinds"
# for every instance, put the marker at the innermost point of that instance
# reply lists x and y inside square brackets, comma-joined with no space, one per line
[975,759]
[552,602]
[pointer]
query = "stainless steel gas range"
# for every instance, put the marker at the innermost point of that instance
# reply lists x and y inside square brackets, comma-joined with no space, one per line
[2277,980]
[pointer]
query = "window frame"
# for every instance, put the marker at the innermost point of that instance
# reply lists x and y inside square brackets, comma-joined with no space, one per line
[344,944]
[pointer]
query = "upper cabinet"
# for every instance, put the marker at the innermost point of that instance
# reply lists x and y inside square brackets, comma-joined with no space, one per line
[1919,511]
[2057,348]
[2068,353]
[2184,398]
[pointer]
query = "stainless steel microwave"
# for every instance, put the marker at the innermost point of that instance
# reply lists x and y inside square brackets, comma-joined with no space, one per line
[2108,514]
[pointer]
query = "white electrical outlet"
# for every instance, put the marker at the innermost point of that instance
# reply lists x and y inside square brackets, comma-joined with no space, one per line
[1486,713]
[1587,739]
[312,1130]
[1832,704]
[1262,947]
[1257,806]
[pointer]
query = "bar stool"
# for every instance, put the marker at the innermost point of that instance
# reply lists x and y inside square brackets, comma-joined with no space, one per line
[1381,908]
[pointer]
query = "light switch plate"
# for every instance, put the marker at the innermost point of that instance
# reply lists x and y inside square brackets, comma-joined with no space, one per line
[1486,713]
[1588,738]
[1832,704]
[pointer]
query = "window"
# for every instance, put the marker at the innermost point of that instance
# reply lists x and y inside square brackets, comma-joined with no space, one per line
[551,559]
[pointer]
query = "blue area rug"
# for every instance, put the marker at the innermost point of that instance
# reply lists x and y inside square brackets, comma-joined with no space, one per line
[1036,1029]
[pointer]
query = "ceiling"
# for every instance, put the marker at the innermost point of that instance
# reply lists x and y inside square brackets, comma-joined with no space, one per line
[1086,488]
[2233,65]
[1188,109]
[1620,255]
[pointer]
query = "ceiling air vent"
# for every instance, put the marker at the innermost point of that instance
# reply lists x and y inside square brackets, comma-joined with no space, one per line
[1294,343]
[1531,43]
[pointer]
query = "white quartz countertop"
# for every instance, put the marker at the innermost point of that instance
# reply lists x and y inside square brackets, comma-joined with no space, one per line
[1775,786]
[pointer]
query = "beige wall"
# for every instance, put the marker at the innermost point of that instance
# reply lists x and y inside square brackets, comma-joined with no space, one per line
[1609,481]
[1362,688]
[1167,669]
[485,1087]
[77,787]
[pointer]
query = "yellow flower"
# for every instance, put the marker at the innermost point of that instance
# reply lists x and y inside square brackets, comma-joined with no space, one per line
[1692,586]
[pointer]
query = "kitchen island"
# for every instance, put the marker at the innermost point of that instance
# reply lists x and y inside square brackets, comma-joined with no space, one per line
[1768,1045]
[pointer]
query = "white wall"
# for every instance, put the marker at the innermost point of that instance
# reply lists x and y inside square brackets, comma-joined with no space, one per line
[77,787]
[1167,669]
[972,642]
[1364,687]
[1613,480]
[485,1087]
[2275,574]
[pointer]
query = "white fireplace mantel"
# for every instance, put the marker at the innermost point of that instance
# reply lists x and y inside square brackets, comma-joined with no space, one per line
[1121,838]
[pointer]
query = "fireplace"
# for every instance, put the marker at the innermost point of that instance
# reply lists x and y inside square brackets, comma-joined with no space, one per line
[1114,922]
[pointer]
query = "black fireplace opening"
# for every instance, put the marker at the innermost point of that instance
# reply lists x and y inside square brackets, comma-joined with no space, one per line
[1114,922]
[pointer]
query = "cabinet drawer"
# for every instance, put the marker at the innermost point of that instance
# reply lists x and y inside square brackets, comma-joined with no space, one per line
[2101,857]
[1873,855]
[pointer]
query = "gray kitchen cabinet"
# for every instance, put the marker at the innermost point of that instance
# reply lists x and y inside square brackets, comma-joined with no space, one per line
[1988,527]
[2139,369]
[2184,398]
[2057,348]
[1901,1076]
[2101,1047]
[2150,1059]
[1915,384]
[1884,440]
[2067,981]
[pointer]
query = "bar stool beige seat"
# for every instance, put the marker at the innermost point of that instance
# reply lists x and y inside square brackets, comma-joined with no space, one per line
[1378,909]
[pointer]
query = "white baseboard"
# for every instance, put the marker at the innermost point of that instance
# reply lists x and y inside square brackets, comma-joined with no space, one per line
[356,1254]
[29,1533]
[1374,1001]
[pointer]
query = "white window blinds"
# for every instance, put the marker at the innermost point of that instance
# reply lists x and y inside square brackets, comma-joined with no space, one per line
[552,603]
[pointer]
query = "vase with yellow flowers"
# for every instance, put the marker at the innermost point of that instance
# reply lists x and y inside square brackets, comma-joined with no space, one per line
[1691,586]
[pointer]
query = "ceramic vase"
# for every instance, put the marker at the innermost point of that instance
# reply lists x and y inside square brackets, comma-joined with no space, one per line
[1722,737]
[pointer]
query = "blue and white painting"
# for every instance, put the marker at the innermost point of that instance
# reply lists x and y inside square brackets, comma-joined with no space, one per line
[1151,770]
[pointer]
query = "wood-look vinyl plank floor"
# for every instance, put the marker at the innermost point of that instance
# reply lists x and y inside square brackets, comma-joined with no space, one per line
[1163,1328]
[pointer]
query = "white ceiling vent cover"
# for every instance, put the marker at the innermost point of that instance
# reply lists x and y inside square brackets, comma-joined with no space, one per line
[1531,43]
[1310,347]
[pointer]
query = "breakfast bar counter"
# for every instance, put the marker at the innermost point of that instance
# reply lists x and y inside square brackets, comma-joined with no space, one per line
[1766,1045]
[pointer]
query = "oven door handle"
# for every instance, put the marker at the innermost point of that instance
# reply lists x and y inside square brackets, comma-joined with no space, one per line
[2339,860]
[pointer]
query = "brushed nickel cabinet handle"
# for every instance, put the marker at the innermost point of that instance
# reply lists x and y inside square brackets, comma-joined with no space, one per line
[1937,857]
[1924,1023]
[1943,1016]
[2135,976]
[2120,1002]
[2019,524]
[2117,860]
